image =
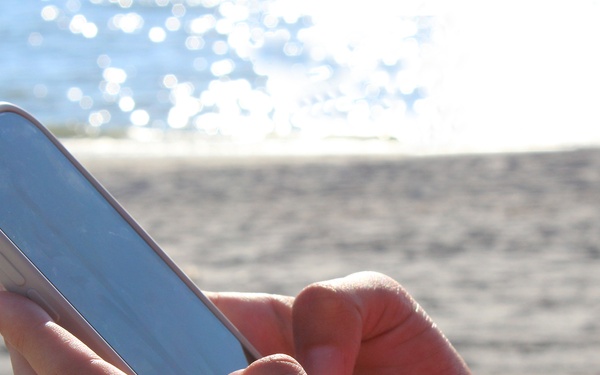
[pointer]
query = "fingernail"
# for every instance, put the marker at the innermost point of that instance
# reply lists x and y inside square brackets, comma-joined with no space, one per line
[324,360]
[237,372]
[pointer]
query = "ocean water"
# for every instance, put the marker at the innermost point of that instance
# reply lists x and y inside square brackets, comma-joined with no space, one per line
[425,75]
[241,69]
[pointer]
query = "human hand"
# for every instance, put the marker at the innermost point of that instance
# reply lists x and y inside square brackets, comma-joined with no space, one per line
[365,323]
[37,345]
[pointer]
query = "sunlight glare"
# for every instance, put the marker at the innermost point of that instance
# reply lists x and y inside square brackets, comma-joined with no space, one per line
[77,23]
[184,107]
[73,6]
[139,117]
[172,24]
[115,75]
[234,12]
[222,67]
[465,72]
[128,23]
[90,30]
[169,81]
[126,104]
[194,43]
[157,34]
[74,94]
[178,10]
[210,3]
[99,118]
[103,61]
[50,12]
[220,47]
[86,102]
[125,3]
[256,102]
[202,24]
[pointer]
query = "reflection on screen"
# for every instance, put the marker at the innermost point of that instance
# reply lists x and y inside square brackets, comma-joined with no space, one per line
[100,263]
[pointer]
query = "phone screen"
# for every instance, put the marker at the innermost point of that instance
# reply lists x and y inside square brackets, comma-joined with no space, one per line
[102,265]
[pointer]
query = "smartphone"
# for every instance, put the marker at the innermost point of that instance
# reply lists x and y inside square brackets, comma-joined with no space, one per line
[68,245]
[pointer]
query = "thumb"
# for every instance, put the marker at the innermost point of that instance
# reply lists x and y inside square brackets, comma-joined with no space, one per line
[277,364]
[363,322]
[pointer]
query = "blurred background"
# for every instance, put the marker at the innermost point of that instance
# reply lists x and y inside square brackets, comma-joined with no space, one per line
[429,76]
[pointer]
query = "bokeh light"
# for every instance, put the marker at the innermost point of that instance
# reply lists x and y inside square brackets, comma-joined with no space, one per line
[268,62]
[422,72]
[157,34]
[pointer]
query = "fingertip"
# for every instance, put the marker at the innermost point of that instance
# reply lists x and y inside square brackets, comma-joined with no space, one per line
[277,364]
[327,327]
[324,360]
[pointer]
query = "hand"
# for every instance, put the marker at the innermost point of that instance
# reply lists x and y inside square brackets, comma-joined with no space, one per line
[37,345]
[365,323]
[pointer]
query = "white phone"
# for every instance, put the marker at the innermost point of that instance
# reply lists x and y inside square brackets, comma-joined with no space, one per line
[69,246]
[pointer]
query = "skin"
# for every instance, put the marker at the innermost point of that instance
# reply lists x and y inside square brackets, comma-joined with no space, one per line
[365,323]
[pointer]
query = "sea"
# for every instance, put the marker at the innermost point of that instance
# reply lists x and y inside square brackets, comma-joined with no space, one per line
[417,77]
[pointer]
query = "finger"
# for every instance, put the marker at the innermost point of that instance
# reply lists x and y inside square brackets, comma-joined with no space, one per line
[363,321]
[46,346]
[264,319]
[19,363]
[328,325]
[278,364]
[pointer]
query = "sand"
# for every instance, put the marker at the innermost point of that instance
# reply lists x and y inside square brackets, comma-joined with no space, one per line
[502,250]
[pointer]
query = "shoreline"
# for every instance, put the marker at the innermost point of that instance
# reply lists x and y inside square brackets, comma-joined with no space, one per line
[191,146]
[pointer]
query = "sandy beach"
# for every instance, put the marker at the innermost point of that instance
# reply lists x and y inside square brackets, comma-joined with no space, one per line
[501,250]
